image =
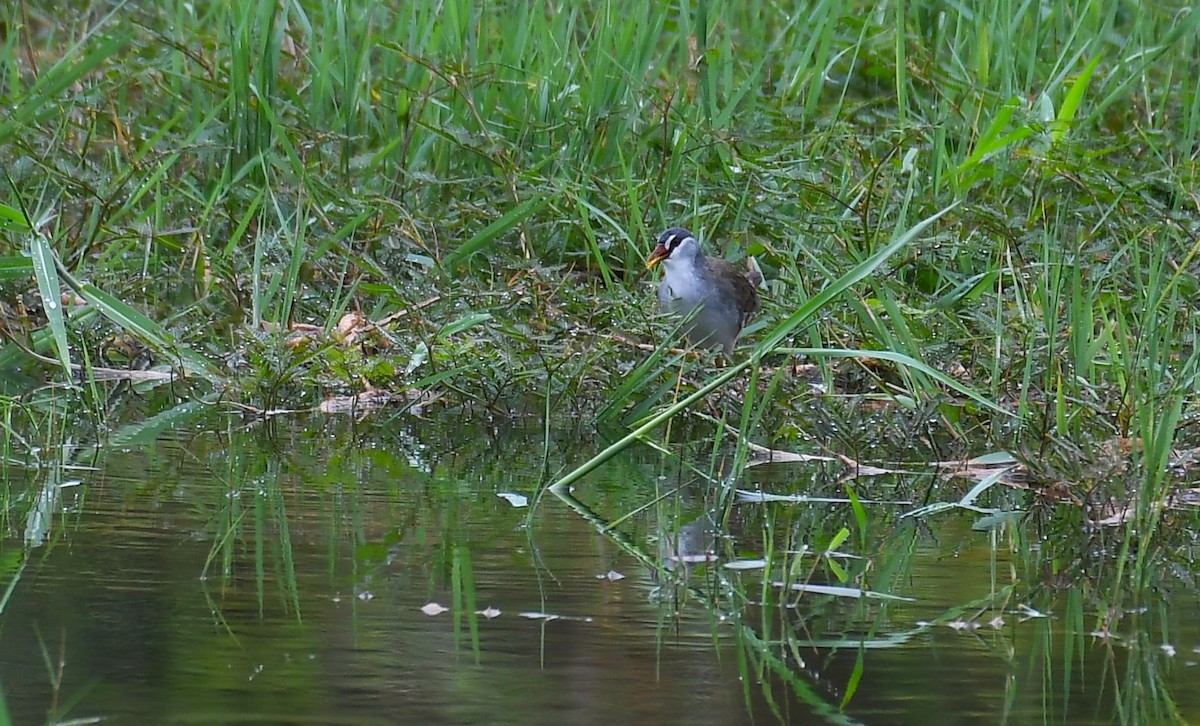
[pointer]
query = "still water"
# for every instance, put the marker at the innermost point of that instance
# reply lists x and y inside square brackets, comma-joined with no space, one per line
[206,569]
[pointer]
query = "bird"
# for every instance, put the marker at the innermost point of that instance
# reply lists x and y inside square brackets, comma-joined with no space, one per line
[724,293]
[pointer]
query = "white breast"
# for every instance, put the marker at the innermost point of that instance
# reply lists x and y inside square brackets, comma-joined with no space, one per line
[680,291]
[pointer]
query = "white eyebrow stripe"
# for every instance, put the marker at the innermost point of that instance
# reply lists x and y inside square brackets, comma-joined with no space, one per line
[676,239]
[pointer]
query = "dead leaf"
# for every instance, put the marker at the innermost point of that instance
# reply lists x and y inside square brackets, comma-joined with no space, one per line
[351,328]
[763,455]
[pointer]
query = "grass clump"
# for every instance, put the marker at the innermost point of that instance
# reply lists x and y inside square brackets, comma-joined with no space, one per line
[230,186]
[977,224]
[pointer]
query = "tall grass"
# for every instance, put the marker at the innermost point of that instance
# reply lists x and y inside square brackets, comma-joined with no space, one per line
[206,176]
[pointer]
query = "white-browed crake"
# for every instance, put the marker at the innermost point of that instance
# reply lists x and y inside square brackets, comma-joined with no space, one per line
[724,293]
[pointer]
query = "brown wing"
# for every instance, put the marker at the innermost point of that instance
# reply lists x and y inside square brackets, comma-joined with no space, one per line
[736,283]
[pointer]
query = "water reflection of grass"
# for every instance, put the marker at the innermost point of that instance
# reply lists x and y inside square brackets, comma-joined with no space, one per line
[809,587]
[263,204]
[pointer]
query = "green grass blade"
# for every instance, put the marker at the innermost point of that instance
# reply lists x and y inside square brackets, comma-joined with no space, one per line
[464,323]
[1070,106]
[13,220]
[14,268]
[126,316]
[488,234]
[5,719]
[611,451]
[837,287]
[904,360]
[44,95]
[51,291]
[139,324]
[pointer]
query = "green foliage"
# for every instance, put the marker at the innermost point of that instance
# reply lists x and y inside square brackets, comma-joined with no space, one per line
[48,286]
[209,178]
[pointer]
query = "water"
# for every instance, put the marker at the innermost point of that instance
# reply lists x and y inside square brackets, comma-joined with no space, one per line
[229,571]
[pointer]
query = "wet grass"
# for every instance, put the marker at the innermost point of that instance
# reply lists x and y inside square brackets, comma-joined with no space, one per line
[977,225]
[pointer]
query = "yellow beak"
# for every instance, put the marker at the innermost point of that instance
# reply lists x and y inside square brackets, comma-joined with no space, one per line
[659,254]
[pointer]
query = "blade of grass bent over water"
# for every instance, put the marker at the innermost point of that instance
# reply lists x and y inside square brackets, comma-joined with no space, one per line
[821,299]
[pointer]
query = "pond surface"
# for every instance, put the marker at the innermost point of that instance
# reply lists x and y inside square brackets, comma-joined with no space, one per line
[208,569]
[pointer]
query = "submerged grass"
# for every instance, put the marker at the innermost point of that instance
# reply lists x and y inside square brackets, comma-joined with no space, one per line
[279,202]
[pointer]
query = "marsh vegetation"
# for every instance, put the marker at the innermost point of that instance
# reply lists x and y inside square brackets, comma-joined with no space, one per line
[405,243]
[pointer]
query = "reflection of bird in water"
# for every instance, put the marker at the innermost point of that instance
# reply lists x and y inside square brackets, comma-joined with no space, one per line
[694,542]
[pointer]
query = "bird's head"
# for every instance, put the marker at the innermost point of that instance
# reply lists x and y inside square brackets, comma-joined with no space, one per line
[675,244]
